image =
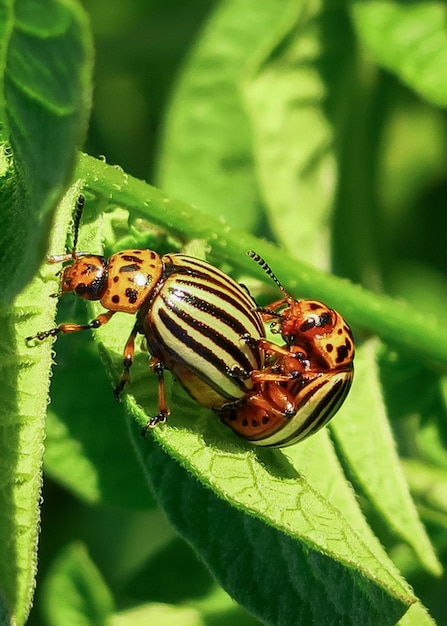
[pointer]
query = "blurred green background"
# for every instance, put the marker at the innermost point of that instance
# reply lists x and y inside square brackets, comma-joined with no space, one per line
[390,220]
[140,48]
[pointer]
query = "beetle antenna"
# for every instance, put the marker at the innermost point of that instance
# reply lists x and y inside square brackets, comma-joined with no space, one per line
[267,269]
[76,222]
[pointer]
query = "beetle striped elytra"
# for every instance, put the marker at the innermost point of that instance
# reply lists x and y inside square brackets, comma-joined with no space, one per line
[196,326]
[304,383]
[193,315]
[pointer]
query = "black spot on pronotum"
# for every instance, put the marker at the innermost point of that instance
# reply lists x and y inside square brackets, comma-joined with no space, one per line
[130,268]
[115,299]
[307,325]
[325,319]
[131,258]
[132,295]
[342,353]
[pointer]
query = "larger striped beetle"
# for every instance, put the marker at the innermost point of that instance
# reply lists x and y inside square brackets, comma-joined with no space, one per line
[194,316]
[304,383]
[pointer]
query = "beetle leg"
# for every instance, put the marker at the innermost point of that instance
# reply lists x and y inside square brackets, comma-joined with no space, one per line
[163,409]
[73,328]
[290,367]
[262,376]
[128,353]
[269,312]
[275,401]
[272,349]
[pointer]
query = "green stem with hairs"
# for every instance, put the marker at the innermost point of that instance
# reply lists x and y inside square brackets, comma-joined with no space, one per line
[394,321]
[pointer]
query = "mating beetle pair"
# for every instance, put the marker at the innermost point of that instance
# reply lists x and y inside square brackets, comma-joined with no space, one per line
[302,384]
[207,330]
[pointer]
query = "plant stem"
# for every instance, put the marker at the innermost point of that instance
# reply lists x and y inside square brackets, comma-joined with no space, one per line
[394,321]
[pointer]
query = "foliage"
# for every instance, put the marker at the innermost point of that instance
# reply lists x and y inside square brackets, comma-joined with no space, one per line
[313,133]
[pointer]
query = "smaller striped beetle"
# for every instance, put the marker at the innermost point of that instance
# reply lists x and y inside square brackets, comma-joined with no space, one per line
[193,315]
[304,383]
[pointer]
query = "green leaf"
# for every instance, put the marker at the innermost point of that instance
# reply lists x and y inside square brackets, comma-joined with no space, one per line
[75,592]
[47,59]
[286,526]
[5,614]
[417,615]
[85,429]
[409,39]
[159,614]
[294,522]
[365,438]
[317,461]
[206,156]
[428,484]
[287,95]
[24,389]
[154,582]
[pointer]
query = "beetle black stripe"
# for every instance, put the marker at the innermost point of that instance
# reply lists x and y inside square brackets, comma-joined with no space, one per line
[223,293]
[216,312]
[198,319]
[221,284]
[324,409]
[320,415]
[216,282]
[208,357]
[130,268]
[224,289]
[218,339]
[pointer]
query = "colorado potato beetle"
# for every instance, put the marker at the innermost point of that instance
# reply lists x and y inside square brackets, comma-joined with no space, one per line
[193,315]
[302,384]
